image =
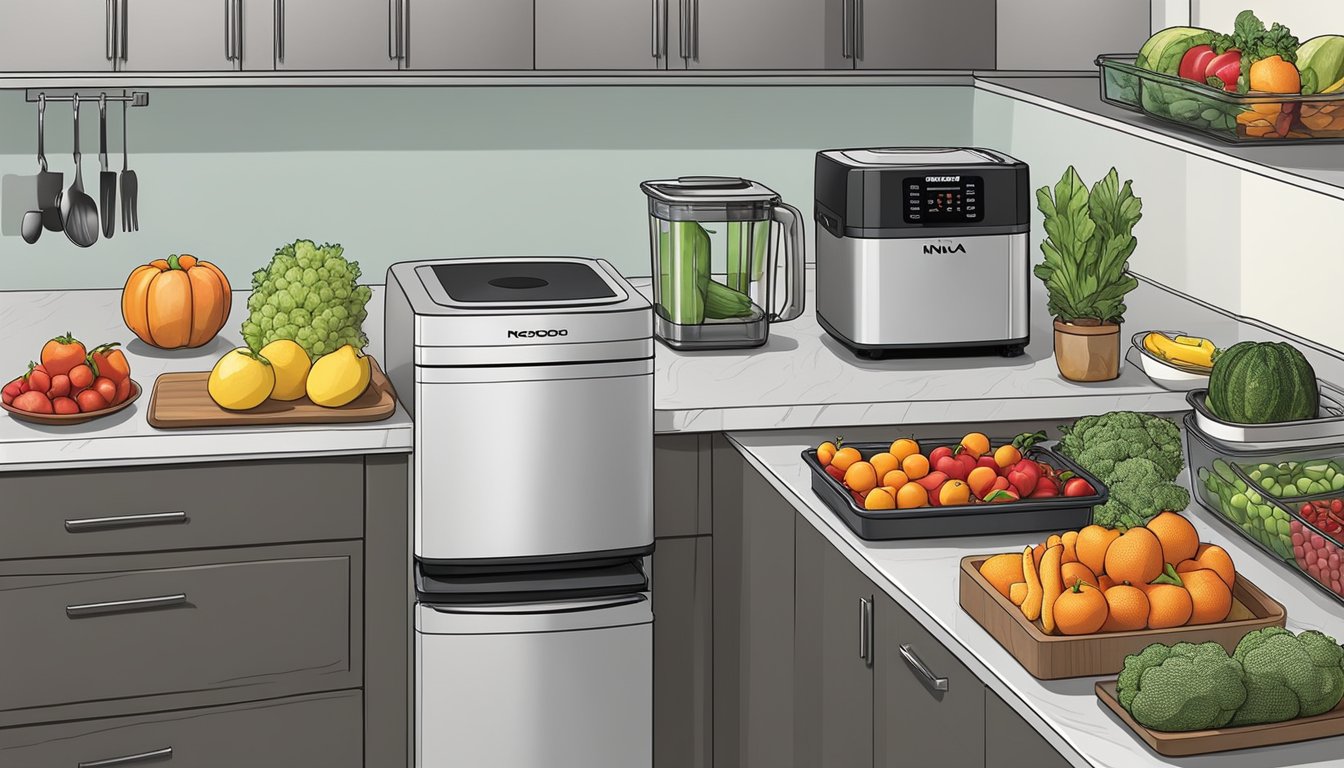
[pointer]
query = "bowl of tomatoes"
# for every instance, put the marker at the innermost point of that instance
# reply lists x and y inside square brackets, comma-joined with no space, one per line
[72,384]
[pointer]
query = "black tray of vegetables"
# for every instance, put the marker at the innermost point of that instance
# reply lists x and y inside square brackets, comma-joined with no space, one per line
[1009,515]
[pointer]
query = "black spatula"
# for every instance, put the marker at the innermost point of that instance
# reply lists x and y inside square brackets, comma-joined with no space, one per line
[107,180]
[49,183]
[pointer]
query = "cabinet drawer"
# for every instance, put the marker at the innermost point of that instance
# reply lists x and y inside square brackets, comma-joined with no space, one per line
[325,730]
[84,631]
[110,511]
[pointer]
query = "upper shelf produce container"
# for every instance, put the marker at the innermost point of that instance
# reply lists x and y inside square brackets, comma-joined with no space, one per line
[1231,117]
[1327,429]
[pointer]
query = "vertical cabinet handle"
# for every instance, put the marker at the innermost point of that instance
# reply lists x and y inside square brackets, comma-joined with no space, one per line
[684,27]
[657,25]
[393,29]
[111,31]
[847,29]
[858,29]
[125,27]
[866,630]
[129,759]
[280,31]
[695,30]
[932,680]
[228,30]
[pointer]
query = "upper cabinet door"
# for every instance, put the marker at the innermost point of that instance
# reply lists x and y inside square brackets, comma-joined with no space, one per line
[602,34]
[56,35]
[181,35]
[468,34]
[759,34]
[336,34]
[922,34]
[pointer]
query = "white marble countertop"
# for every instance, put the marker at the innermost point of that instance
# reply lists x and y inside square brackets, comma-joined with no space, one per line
[922,576]
[802,378]
[126,438]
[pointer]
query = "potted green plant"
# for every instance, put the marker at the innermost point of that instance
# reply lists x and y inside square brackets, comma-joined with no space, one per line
[1090,236]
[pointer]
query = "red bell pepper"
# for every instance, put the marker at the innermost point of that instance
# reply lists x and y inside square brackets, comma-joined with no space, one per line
[1024,475]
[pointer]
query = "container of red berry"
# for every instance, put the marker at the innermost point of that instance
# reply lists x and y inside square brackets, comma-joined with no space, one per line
[1317,530]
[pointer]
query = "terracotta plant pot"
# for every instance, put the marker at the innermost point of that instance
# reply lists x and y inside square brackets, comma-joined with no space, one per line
[1087,352]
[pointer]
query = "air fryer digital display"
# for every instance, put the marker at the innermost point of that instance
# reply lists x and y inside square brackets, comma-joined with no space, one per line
[951,199]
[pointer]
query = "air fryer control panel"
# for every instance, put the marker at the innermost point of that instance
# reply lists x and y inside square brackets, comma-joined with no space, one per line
[943,199]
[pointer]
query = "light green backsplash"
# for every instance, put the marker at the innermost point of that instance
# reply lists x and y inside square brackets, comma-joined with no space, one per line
[399,174]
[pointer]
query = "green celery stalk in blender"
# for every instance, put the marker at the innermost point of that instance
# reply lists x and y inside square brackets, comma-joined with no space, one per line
[683,256]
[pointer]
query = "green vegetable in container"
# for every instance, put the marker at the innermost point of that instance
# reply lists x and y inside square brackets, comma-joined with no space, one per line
[1098,443]
[683,269]
[309,294]
[1183,687]
[1289,676]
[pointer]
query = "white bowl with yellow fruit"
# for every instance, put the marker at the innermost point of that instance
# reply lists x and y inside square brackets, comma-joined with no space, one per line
[1173,360]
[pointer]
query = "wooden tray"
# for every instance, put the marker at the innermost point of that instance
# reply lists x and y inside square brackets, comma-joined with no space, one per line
[181,400]
[1187,743]
[1052,657]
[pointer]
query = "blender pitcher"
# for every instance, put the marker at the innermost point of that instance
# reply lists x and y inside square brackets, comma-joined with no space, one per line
[713,240]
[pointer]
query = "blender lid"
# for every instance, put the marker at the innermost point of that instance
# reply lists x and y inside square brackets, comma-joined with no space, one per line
[513,283]
[708,189]
[907,156]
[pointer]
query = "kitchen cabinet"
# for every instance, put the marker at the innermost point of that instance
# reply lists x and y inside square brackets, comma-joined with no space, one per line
[682,485]
[753,616]
[918,34]
[1029,39]
[756,34]
[466,34]
[56,36]
[833,677]
[601,34]
[928,708]
[681,579]
[1011,743]
[181,35]
[336,34]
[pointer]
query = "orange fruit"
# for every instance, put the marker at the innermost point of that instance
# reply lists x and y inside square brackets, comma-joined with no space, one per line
[878,498]
[954,492]
[1168,605]
[1093,541]
[1007,456]
[845,457]
[1210,597]
[1274,75]
[1128,608]
[895,478]
[980,480]
[883,463]
[1070,542]
[1135,557]
[1002,572]
[861,476]
[975,444]
[915,466]
[825,452]
[1076,571]
[1179,539]
[1216,559]
[1081,610]
[912,495]
[903,447]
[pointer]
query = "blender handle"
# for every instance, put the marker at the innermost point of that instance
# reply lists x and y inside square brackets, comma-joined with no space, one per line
[790,218]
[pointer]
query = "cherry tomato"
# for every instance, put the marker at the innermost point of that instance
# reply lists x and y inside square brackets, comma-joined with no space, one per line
[60,386]
[105,387]
[64,405]
[33,402]
[81,377]
[89,400]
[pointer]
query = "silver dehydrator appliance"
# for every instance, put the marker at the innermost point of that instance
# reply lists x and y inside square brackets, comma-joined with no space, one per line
[530,382]
[923,249]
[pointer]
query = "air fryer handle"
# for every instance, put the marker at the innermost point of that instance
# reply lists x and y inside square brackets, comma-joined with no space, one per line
[790,218]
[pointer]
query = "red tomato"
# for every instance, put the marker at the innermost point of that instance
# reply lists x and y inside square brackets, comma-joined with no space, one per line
[33,402]
[123,391]
[60,386]
[38,379]
[62,353]
[89,400]
[105,387]
[111,362]
[64,405]
[1195,62]
[81,377]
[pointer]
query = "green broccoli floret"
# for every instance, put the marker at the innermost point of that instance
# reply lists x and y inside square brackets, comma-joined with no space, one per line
[1098,443]
[1184,687]
[1289,676]
[310,294]
[1138,493]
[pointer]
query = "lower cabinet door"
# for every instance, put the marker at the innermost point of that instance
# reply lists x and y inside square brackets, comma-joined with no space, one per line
[324,729]
[682,653]
[928,709]
[1011,743]
[833,679]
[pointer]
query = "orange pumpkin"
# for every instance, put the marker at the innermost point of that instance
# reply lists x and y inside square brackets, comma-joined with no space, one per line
[176,302]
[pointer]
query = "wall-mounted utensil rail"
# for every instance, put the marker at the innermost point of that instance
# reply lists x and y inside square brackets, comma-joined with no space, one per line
[131,98]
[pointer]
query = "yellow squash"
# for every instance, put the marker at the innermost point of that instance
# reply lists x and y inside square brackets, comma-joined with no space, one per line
[1185,350]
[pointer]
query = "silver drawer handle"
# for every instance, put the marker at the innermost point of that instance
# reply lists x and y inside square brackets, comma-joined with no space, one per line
[937,683]
[127,760]
[124,606]
[124,521]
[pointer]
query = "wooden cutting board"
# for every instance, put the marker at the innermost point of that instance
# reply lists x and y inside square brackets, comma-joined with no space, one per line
[1186,743]
[1052,657]
[181,400]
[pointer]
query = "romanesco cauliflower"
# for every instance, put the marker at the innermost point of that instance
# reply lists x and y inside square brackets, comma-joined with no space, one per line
[310,294]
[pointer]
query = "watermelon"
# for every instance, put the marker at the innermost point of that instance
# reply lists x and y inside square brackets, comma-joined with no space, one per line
[1262,383]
